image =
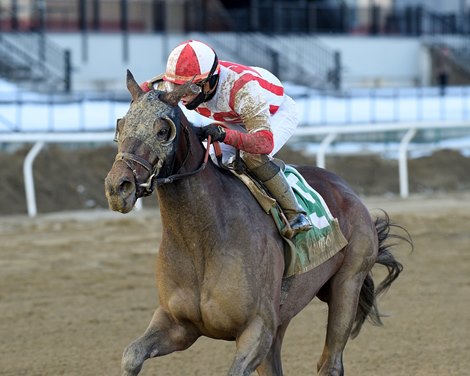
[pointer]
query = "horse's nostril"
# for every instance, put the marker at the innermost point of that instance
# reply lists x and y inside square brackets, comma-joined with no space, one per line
[125,186]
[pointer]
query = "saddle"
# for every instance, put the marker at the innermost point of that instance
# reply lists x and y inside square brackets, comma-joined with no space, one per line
[308,249]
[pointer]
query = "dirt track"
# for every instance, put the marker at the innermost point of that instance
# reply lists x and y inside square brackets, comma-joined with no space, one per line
[76,288]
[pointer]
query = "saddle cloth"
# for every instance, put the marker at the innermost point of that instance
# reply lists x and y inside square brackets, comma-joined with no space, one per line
[308,249]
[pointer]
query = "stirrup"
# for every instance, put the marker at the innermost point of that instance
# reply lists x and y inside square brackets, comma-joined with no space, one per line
[300,223]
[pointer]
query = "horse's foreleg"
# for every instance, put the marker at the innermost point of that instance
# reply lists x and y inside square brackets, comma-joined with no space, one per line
[252,346]
[163,336]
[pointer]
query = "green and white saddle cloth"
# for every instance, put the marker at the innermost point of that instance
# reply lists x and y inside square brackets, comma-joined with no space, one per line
[308,249]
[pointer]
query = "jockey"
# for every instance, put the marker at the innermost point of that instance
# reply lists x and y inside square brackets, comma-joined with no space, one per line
[253,115]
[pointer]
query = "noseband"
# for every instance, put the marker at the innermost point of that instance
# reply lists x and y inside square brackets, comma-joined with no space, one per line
[127,158]
[148,187]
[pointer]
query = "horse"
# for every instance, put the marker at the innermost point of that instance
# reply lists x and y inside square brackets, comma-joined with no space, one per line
[221,260]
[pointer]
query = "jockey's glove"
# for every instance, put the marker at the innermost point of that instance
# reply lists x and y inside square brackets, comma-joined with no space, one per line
[216,132]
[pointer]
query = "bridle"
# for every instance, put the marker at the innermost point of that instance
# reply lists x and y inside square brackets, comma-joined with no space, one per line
[148,187]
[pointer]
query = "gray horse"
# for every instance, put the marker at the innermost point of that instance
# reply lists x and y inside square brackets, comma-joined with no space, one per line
[220,264]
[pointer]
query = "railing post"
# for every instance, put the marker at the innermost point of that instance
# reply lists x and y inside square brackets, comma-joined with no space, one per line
[158,16]
[42,33]
[374,27]
[95,21]
[326,142]
[14,15]
[82,15]
[254,15]
[419,12]
[82,25]
[403,162]
[337,71]
[125,30]
[29,179]
[275,62]
[344,18]
[67,71]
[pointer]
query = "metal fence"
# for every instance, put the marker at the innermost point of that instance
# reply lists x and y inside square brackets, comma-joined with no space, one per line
[22,111]
[329,134]
[33,61]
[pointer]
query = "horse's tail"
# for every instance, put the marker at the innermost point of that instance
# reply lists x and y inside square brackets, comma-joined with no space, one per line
[367,307]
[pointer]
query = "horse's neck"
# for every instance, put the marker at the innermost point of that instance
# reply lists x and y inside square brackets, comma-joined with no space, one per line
[190,152]
[203,199]
[194,195]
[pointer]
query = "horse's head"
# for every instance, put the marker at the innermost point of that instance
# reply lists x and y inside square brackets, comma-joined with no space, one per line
[147,138]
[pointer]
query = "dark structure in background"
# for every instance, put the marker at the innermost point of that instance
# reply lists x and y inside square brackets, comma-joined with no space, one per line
[37,57]
[266,16]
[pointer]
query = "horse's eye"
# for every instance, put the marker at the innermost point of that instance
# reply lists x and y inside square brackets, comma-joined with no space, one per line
[162,134]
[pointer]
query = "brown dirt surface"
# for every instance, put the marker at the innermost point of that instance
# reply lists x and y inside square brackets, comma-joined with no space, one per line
[77,287]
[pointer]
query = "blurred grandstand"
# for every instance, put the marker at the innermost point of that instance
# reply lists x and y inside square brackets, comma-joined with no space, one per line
[77,51]
[36,36]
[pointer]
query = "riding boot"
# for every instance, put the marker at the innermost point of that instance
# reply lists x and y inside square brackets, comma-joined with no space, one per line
[280,189]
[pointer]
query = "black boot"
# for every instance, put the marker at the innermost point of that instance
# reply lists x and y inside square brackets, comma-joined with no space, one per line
[282,192]
[276,183]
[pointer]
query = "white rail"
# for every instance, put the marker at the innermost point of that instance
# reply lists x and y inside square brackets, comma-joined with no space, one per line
[410,129]
[29,179]
[330,133]
[39,140]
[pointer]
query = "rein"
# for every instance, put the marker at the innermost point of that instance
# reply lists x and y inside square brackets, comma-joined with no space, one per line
[172,178]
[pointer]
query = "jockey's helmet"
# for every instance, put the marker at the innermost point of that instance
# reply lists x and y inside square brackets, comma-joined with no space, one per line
[191,60]
[197,62]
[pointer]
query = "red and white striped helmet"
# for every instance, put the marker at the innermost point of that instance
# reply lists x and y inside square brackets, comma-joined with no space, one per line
[191,60]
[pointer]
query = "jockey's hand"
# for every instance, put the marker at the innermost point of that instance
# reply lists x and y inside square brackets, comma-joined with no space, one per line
[146,86]
[216,132]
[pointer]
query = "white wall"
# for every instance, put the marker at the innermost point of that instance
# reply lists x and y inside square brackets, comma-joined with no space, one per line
[380,61]
[98,59]
[367,61]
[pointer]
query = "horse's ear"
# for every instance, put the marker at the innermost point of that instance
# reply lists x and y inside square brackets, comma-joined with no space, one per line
[173,97]
[133,86]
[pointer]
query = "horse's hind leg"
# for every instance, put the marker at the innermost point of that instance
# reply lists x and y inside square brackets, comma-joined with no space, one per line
[343,291]
[272,363]
[163,336]
[252,346]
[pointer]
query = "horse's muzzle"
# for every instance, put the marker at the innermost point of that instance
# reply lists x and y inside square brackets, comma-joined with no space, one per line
[120,189]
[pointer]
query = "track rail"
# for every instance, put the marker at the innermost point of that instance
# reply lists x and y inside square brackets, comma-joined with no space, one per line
[329,134]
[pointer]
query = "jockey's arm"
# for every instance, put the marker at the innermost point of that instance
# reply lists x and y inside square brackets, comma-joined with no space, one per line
[258,140]
[254,111]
